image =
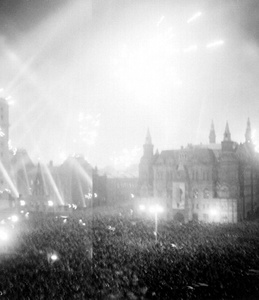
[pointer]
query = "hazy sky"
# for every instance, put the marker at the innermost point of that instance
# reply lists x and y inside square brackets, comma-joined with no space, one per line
[91,78]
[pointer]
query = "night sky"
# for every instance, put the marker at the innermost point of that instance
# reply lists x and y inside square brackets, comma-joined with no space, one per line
[90,78]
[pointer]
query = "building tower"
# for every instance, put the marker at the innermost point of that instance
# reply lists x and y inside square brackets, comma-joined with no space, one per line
[4,139]
[212,136]
[146,168]
[228,182]
[227,144]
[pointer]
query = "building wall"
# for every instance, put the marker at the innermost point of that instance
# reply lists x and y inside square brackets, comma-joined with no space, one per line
[229,172]
[121,190]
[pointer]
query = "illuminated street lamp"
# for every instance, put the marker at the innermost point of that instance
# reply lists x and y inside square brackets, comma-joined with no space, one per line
[153,209]
[50,203]
[22,203]
[214,214]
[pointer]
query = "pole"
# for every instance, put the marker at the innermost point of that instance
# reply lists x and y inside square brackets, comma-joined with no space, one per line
[156,226]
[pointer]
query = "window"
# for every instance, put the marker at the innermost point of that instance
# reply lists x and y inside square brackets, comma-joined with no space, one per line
[206,194]
[195,193]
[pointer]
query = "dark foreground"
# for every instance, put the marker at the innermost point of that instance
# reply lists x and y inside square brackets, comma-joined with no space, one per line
[115,257]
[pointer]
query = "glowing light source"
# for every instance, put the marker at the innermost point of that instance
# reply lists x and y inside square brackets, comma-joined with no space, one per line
[142,207]
[14,218]
[214,212]
[194,17]
[22,203]
[50,203]
[54,257]
[3,235]
[156,208]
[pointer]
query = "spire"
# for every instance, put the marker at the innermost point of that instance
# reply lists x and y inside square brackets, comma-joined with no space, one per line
[148,147]
[227,135]
[148,138]
[248,134]
[212,136]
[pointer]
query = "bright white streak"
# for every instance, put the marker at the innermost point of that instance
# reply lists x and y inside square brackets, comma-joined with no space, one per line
[8,180]
[194,17]
[215,44]
[161,20]
[54,186]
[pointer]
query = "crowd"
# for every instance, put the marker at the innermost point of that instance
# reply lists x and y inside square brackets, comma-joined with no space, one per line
[114,256]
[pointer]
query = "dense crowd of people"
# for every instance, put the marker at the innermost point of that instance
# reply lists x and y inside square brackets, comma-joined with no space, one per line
[115,256]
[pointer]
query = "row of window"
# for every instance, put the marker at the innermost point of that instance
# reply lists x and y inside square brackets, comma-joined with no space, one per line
[222,206]
[206,193]
[194,175]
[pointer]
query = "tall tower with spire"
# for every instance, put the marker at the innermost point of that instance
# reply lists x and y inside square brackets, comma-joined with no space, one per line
[227,144]
[148,146]
[146,168]
[248,134]
[212,136]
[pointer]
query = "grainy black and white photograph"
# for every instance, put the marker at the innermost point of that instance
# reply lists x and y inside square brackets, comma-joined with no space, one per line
[129,149]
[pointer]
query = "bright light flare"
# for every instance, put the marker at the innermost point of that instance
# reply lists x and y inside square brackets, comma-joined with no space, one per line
[160,21]
[50,203]
[53,257]
[11,103]
[156,209]
[142,207]
[215,44]
[214,212]
[194,17]
[22,202]
[3,235]
[14,219]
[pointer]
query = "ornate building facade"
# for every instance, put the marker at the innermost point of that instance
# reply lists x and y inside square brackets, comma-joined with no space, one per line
[214,182]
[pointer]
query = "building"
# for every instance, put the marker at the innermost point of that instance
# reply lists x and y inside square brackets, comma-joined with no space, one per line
[214,182]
